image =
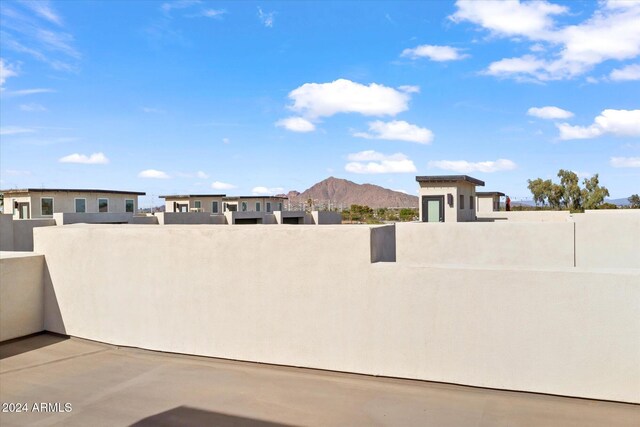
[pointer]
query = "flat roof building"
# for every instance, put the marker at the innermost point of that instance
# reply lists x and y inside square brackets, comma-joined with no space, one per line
[44,202]
[488,201]
[211,203]
[447,198]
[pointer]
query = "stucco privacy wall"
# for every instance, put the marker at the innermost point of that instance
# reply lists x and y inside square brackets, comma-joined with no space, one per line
[23,232]
[608,239]
[21,294]
[526,216]
[501,244]
[186,218]
[309,296]
[64,218]
[6,232]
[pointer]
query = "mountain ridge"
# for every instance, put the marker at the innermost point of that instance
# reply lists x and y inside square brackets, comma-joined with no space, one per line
[341,192]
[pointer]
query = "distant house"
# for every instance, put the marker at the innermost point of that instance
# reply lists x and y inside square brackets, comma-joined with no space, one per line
[44,202]
[266,204]
[211,203]
[488,201]
[447,198]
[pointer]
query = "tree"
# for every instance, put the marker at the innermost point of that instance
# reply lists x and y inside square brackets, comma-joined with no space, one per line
[568,194]
[634,201]
[572,194]
[593,195]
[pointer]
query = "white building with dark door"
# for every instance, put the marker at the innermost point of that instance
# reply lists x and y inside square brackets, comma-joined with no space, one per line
[31,203]
[447,198]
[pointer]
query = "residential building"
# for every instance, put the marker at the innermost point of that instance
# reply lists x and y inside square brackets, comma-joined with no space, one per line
[266,204]
[447,198]
[31,203]
[488,201]
[211,203]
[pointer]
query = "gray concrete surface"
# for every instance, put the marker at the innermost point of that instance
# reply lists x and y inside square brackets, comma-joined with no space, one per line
[111,386]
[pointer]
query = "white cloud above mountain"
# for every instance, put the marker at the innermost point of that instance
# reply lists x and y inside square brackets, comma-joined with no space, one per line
[373,162]
[464,166]
[396,130]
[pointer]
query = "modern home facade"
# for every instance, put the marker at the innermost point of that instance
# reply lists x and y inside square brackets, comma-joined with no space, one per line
[447,198]
[488,201]
[211,203]
[266,204]
[32,203]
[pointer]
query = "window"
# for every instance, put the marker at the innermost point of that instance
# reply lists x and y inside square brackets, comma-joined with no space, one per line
[46,206]
[471,200]
[244,206]
[81,205]
[268,206]
[214,207]
[197,204]
[257,206]
[103,205]
[461,202]
[128,205]
[280,207]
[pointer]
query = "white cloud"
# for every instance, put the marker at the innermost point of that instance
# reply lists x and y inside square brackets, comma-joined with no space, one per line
[611,33]
[202,175]
[153,173]
[625,162]
[27,30]
[266,18]
[179,4]
[434,53]
[25,92]
[409,89]
[615,122]
[213,13]
[217,185]
[464,166]
[630,72]
[44,10]
[296,124]
[397,130]
[32,108]
[509,17]
[15,130]
[226,140]
[260,191]
[93,159]
[372,162]
[6,70]
[314,100]
[549,113]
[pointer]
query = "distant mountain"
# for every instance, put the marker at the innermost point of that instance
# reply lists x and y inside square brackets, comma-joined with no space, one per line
[340,192]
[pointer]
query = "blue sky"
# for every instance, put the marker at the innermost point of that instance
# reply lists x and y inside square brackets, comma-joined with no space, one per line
[267,97]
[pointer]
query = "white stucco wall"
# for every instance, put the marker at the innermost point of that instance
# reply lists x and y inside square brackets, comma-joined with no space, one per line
[21,294]
[310,296]
[608,239]
[500,244]
[526,216]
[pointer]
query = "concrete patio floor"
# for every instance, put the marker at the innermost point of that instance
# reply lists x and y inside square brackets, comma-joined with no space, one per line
[112,386]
